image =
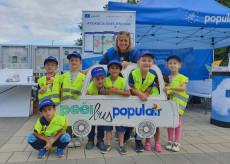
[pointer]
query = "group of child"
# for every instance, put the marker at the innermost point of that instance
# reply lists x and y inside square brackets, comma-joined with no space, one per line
[51,131]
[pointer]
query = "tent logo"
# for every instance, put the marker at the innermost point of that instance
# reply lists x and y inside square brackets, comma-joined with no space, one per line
[191,16]
[217,19]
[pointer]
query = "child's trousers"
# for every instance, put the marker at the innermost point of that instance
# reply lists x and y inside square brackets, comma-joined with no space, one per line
[100,134]
[39,144]
[177,132]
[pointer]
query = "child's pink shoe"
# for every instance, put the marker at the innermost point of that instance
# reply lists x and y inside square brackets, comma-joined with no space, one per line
[147,145]
[158,147]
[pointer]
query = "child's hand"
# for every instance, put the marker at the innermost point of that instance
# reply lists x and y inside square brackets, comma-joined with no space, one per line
[113,90]
[42,90]
[143,97]
[125,64]
[166,88]
[48,145]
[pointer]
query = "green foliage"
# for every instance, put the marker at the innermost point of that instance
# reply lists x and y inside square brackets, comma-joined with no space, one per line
[222,53]
[78,42]
[224,2]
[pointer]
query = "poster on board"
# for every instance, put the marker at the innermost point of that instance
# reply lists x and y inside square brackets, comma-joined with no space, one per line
[99,32]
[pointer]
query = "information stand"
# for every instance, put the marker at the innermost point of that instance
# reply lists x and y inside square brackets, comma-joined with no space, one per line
[220,114]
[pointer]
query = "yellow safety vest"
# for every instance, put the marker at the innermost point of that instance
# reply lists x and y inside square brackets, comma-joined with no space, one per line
[154,91]
[53,95]
[57,123]
[72,91]
[92,89]
[180,96]
[119,83]
[137,78]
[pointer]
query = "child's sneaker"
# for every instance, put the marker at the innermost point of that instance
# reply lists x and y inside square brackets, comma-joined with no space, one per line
[176,147]
[60,153]
[71,143]
[139,146]
[77,142]
[89,145]
[42,153]
[106,149]
[169,145]
[147,145]
[122,150]
[158,147]
[100,145]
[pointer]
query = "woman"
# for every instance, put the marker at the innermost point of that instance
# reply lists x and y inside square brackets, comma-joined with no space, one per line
[122,51]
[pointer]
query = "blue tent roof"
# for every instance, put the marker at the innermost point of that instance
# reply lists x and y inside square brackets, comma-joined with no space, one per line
[201,24]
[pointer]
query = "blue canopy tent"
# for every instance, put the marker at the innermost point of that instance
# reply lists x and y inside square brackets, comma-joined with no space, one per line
[203,25]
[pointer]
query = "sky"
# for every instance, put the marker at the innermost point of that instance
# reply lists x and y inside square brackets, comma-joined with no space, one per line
[44,22]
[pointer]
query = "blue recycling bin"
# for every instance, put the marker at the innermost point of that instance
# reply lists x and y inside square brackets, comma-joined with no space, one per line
[220,109]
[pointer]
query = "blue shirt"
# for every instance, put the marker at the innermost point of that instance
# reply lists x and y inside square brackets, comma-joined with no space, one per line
[123,57]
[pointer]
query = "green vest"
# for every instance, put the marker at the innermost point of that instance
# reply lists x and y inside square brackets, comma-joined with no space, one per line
[154,91]
[180,96]
[53,95]
[57,123]
[92,89]
[72,91]
[137,78]
[119,83]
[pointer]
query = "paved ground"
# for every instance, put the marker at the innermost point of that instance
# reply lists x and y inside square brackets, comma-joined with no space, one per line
[202,143]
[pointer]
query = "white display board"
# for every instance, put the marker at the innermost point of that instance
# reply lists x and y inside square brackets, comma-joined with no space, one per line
[100,29]
[14,57]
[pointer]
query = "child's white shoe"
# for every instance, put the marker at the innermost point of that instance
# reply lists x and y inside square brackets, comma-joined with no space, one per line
[169,145]
[176,147]
[71,143]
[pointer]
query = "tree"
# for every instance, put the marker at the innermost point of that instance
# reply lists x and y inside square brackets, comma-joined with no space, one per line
[78,42]
[222,53]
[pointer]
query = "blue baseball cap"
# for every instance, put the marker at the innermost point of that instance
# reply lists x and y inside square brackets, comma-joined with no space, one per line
[50,58]
[75,53]
[143,53]
[46,102]
[97,71]
[114,62]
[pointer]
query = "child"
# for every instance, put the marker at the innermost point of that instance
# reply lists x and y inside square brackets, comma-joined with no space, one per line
[94,88]
[141,82]
[50,85]
[49,131]
[71,90]
[176,90]
[115,85]
[155,92]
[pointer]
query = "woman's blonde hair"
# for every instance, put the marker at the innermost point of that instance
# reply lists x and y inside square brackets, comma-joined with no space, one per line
[127,36]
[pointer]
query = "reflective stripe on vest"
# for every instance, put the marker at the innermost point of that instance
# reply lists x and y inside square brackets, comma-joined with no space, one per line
[72,91]
[119,83]
[57,123]
[180,97]
[92,89]
[137,78]
[54,95]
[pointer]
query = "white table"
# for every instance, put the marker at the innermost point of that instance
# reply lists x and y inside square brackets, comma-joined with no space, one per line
[15,97]
[200,88]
